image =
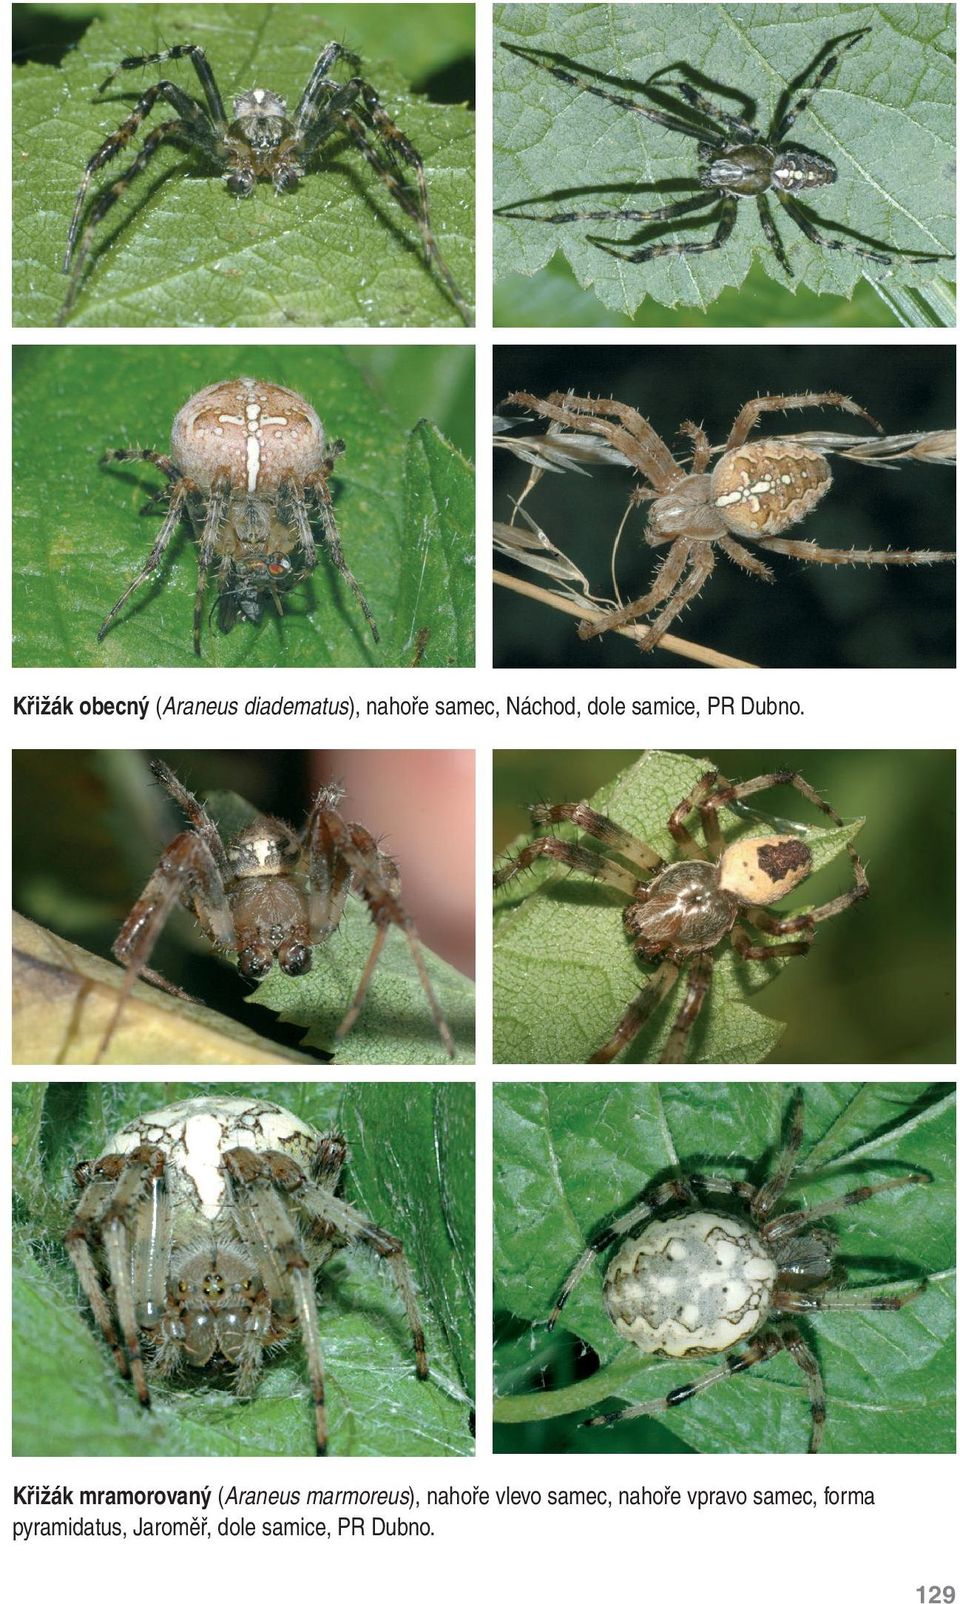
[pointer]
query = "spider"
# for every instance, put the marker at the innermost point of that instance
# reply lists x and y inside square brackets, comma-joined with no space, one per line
[738,162]
[260,143]
[249,466]
[756,490]
[199,1234]
[270,894]
[699,1282]
[677,913]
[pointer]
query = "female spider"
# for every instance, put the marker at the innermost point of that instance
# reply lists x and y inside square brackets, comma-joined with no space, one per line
[199,1234]
[738,162]
[678,913]
[260,143]
[757,490]
[697,1279]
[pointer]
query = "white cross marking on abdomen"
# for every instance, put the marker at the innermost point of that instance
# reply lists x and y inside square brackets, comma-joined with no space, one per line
[253,423]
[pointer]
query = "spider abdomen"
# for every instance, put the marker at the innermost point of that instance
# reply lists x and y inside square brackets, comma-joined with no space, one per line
[800,169]
[257,433]
[766,486]
[693,1284]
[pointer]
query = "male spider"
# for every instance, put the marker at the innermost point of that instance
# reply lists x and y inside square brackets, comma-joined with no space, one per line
[698,1282]
[249,465]
[199,1234]
[260,143]
[756,490]
[270,894]
[677,913]
[739,162]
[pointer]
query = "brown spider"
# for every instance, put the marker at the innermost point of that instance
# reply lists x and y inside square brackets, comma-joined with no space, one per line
[249,468]
[679,912]
[756,490]
[270,894]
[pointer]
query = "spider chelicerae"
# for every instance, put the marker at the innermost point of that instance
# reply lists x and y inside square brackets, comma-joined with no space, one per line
[198,1236]
[699,1280]
[259,143]
[270,894]
[739,162]
[756,490]
[678,913]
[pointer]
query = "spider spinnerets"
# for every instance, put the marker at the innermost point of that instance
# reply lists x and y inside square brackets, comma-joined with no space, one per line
[738,162]
[260,143]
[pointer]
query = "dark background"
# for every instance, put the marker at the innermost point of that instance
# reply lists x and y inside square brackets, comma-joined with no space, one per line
[814,615]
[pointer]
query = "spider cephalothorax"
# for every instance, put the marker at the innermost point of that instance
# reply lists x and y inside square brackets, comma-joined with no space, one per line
[756,491]
[249,467]
[696,1280]
[738,162]
[678,913]
[199,1234]
[260,143]
[270,894]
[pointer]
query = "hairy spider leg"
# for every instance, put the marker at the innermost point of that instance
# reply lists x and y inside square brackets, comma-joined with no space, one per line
[319,87]
[664,118]
[788,1225]
[765,1346]
[315,485]
[619,214]
[601,828]
[657,988]
[801,216]
[683,1189]
[770,230]
[743,131]
[630,432]
[345,857]
[668,576]
[791,113]
[192,810]
[726,216]
[218,505]
[698,984]
[773,1188]
[180,492]
[809,551]
[98,1186]
[201,66]
[750,413]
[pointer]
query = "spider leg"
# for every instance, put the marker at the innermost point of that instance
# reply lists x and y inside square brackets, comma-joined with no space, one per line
[201,66]
[698,984]
[791,114]
[192,810]
[701,445]
[658,214]
[762,1347]
[352,1227]
[218,504]
[726,218]
[580,860]
[809,551]
[690,848]
[749,414]
[773,238]
[738,126]
[601,828]
[849,1300]
[663,118]
[802,218]
[744,559]
[98,1190]
[318,86]
[292,489]
[629,431]
[658,987]
[667,577]
[315,484]
[169,130]
[788,1225]
[178,497]
[759,952]
[256,1179]
[701,564]
[157,458]
[329,872]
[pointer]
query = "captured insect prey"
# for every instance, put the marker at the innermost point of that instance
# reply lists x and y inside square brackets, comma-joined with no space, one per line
[260,142]
[738,162]
[199,1235]
[271,895]
[755,491]
[249,470]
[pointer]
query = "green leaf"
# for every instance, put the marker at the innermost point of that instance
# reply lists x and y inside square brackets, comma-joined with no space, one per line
[403,500]
[68,1396]
[178,250]
[891,94]
[570,1157]
[564,970]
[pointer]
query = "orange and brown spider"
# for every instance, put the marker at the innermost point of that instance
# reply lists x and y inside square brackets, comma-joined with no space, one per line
[678,913]
[757,490]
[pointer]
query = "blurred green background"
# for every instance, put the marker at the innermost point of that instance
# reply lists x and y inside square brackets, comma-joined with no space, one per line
[878,986]
[814,615]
